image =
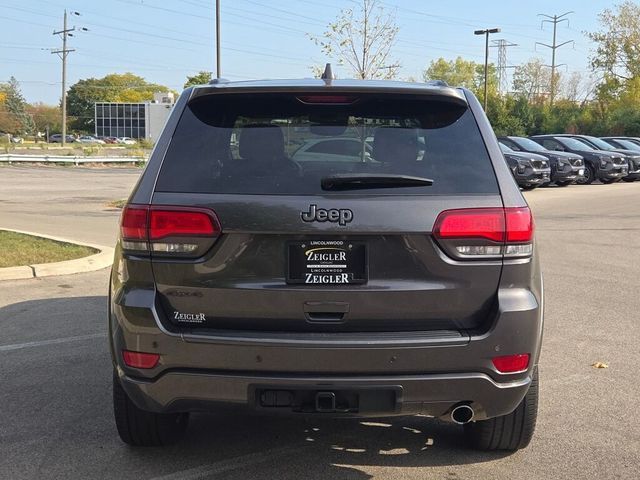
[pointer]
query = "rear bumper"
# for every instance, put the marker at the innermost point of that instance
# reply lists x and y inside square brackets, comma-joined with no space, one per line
[433,371]
[433,395]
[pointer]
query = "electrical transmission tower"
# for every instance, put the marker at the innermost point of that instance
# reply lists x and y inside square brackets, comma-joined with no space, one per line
[502,45]
[555,19]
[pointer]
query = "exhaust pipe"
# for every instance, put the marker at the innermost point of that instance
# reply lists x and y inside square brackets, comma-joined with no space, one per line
[462,414]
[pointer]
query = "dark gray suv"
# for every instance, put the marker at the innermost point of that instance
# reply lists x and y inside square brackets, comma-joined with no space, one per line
[398,280]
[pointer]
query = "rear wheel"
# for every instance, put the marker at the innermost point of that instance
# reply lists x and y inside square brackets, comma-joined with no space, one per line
[141,428]
[508,432]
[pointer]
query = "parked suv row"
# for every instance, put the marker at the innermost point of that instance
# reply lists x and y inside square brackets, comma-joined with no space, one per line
[604,165]
[566,168]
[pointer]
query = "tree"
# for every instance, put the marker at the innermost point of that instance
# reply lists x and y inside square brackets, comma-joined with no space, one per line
[363,39]
[200,78]
[125,87]
[532,80]
[617,52]
[464,73]
[13,115]
[45,116]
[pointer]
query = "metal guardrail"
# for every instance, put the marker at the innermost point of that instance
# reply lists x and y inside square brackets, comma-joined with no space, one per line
[77,160]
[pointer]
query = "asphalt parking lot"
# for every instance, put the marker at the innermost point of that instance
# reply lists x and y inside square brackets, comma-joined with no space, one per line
[55,373]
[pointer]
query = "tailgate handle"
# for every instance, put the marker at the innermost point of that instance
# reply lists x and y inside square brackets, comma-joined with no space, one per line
[325,312]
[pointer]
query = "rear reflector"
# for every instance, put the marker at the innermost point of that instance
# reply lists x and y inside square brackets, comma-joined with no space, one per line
[140,359]
[511,363]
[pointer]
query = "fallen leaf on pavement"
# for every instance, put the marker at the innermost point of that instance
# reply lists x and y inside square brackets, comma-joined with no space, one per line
[600,365]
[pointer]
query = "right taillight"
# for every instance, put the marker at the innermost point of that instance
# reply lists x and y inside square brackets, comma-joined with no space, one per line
[168,230]
[481,233]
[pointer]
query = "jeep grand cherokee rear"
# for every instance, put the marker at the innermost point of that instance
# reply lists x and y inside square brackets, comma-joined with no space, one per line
[401,281]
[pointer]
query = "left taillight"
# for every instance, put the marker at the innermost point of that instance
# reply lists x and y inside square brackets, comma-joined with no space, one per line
[168,230]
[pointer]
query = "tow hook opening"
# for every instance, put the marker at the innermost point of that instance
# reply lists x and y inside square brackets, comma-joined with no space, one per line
[326,402]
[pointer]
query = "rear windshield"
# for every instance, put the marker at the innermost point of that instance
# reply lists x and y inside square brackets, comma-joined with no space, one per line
[286,144]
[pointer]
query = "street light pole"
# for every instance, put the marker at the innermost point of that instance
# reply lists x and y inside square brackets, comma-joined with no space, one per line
[486,33]
[218,68]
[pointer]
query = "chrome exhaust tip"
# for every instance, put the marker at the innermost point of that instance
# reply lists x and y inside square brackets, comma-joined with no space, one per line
[462,414]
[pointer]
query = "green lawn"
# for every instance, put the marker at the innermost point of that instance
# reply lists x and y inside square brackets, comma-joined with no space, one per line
[19,249]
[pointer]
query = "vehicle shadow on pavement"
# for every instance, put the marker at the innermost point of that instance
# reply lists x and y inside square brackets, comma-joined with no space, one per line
[310,448]
[57,406]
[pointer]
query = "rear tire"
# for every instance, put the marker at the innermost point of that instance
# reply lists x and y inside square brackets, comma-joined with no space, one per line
[141,428]
[626,179]
[563,184]
[509,432]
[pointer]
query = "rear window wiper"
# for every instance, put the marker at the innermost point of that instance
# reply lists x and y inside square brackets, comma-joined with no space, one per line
[348,181]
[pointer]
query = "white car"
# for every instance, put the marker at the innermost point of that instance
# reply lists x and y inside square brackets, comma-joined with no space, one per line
[126,141]
[90,139]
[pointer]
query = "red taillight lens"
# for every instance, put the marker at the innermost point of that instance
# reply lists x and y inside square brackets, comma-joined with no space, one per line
[134,222]
[492,232]
[140,359]
[166,223]
[519,224]
[144,226]
[471,223]
[511,363]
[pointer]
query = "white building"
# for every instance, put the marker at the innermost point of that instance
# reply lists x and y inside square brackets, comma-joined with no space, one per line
[136,120]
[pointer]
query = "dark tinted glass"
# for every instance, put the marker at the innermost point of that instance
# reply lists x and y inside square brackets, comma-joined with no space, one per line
[248,144]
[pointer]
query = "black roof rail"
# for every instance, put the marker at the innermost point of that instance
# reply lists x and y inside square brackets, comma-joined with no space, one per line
[437,83]
[217,81]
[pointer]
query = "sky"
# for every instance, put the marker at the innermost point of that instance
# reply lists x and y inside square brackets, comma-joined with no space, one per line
[166,40]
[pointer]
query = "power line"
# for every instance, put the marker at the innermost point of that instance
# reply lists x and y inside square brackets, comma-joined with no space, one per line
[62,53]
[555,19]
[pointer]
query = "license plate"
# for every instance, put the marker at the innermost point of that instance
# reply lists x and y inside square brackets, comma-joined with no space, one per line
[327,262]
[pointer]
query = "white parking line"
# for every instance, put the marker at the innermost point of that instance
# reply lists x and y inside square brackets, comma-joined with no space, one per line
[228,465]
[53,341]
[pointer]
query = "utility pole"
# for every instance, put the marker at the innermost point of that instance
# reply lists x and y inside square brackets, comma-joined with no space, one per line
[502,45]
[486,33]
[218,68]
[65,32]
[555,19]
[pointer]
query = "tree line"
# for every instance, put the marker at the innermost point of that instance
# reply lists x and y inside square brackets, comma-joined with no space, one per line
[362,39]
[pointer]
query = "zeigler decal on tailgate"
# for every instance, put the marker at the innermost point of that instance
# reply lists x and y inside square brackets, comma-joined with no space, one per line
[189,317]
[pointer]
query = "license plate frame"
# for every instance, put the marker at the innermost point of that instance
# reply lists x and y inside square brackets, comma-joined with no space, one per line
[327,262]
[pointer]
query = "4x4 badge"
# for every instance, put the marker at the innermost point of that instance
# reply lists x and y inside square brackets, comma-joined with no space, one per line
[341,216]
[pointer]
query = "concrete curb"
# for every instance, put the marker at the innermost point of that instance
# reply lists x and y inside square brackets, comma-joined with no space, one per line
[98,261]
